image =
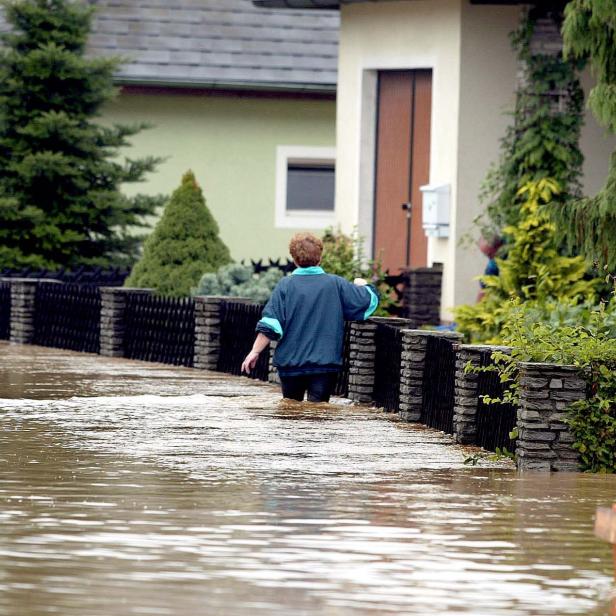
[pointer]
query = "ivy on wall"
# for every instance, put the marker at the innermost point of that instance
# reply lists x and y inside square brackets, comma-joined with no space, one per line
[542,141]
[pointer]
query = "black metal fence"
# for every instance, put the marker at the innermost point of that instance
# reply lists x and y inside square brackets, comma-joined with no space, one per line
[237,333]
[388,342]
[98,276]
[439,383]
[342,383]
[5,310]
[160,329]
[67,316]
[494,421]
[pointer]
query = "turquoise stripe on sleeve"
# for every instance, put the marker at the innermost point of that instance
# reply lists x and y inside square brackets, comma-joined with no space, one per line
[273,324]
[374,302]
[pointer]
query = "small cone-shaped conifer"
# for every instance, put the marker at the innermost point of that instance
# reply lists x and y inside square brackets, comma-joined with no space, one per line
[183,246]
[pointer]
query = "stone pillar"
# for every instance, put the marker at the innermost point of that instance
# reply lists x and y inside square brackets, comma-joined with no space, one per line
[23,294]
[362,354]
[414,345]
[113,303]
[544,441]
[466,395]
[273,372]
[421,299]
[207,331]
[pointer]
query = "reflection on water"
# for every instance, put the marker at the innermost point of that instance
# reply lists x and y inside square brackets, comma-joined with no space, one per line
[128,488]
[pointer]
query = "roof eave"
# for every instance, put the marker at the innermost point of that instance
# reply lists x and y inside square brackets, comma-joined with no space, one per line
[299,88]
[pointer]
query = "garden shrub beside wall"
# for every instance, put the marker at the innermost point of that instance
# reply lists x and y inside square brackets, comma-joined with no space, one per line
[183,245]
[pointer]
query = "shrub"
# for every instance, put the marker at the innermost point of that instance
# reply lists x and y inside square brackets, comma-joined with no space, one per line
[235,280]
[589,344]
[183,245]
[534,271]
[343,255]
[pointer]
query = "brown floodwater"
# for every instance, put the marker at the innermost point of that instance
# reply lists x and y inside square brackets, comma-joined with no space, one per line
[134,488]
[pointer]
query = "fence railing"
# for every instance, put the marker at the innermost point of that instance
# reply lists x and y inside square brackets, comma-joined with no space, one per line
[420,374]
[5,310]
[67,316]
[159,329]
[342,382]
[439,383]
[388,342]
[238,321]
[495,421]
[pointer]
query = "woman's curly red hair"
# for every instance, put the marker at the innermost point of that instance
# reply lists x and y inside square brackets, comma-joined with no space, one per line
[306,249]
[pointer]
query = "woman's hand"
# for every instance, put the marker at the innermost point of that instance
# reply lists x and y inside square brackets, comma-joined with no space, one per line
[360,282]
[250,362]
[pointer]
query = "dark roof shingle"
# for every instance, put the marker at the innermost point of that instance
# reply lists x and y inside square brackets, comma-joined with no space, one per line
[218,43]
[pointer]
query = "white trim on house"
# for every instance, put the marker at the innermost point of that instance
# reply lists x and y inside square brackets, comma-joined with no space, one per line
[300,219]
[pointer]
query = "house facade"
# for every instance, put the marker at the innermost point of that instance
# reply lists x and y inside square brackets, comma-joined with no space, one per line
[243,96]
[423,91]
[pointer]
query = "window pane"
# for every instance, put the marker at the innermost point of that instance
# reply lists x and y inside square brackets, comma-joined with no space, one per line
[310,187]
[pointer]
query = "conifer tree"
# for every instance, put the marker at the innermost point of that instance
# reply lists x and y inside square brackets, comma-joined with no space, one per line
[183,246]
[60,203]
[589,225]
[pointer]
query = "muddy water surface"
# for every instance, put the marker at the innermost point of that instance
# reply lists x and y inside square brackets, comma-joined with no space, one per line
[134,488]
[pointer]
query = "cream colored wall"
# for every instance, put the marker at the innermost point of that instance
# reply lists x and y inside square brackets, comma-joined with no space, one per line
[230,143]
[488,77]
[393,35]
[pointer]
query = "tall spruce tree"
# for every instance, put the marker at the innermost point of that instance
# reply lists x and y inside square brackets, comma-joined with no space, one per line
[589,225]
[183,246]
[60,199]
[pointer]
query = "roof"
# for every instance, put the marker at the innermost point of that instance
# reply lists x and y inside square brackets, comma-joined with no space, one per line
[335,4]
[217,44]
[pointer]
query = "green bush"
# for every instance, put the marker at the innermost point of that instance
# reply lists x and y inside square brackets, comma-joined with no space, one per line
[534,271]
[343,255]
[183,245]
[589,344]
[236,280]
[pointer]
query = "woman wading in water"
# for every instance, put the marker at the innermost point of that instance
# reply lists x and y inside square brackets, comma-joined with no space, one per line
[306,315]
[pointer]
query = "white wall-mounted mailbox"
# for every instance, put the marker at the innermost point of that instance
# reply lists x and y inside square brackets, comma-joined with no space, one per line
[435,211]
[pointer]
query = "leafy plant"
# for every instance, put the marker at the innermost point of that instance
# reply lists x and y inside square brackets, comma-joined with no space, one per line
[183,245]
[534,271]
[543,139]
[589,225]
[60,173]
[236,280]
[591,346]
[344,256]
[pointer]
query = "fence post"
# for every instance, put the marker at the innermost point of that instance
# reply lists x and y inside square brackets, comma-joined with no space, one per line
[421,299]
[23,294]
[466,394]
[362,351]
[273,372]
[207,331]
[544,441]
[113,302]
[413,360]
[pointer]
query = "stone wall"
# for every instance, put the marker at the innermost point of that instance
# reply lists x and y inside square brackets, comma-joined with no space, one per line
[544,441]
[207,332]
[414,346]
[113,304]
[466,395]
[362,352]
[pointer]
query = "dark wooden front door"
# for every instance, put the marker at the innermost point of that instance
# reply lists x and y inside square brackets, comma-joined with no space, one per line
[402,166]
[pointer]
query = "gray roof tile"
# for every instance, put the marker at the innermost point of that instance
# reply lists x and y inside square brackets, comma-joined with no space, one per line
[218,43]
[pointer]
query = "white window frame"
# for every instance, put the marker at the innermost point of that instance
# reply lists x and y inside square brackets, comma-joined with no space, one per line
[302,155]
